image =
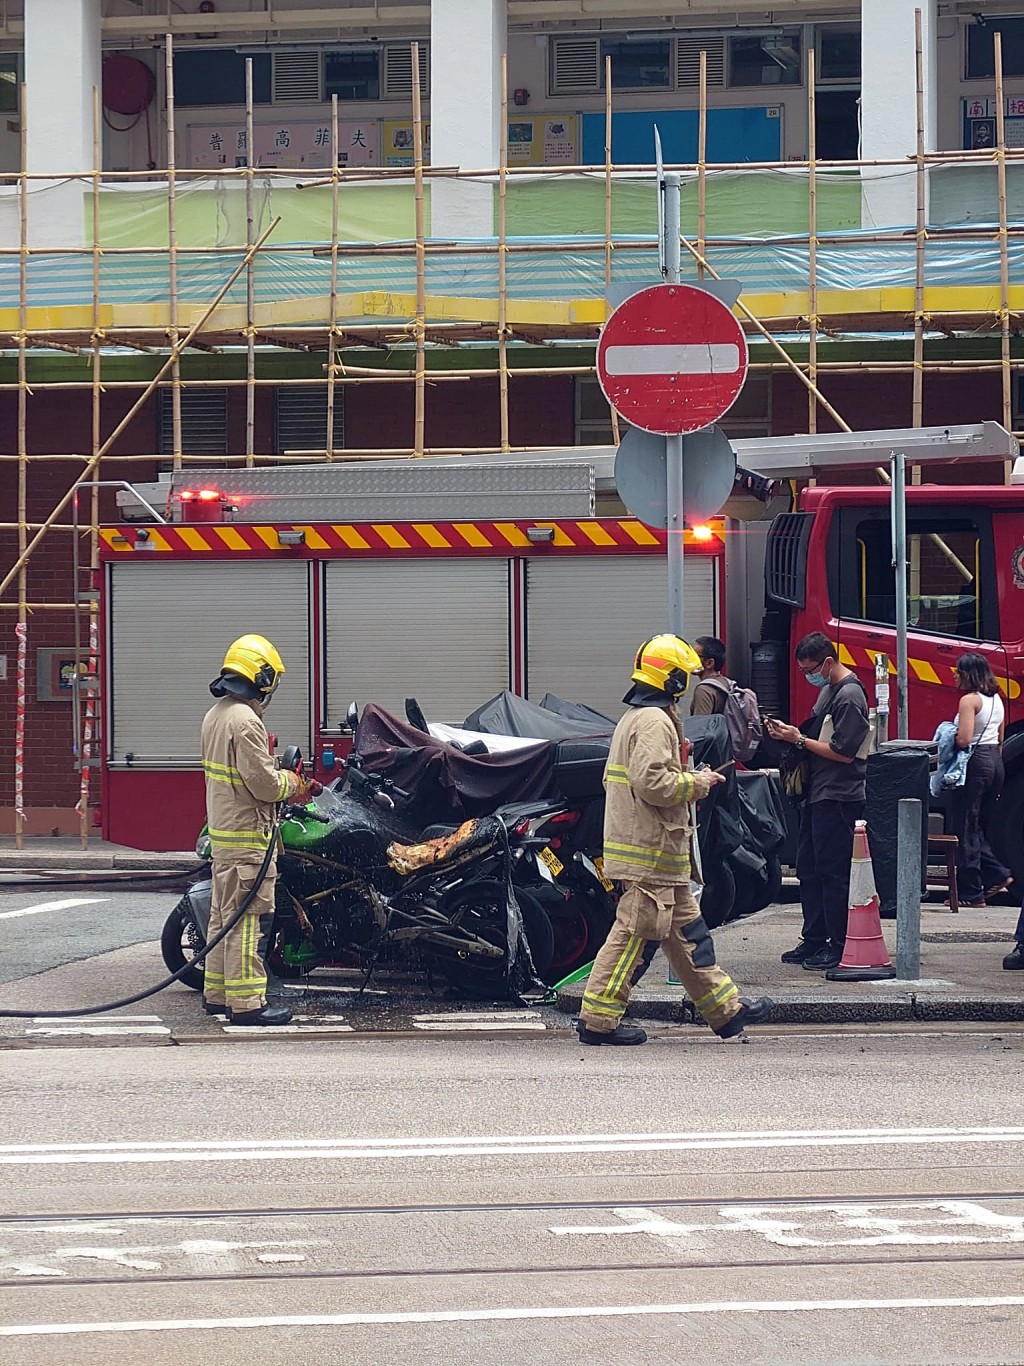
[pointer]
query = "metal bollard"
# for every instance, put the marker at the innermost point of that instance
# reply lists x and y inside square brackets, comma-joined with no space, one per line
[908,890]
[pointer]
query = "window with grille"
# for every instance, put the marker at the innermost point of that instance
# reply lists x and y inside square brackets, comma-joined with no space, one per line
[297,77]
[398,70]
[300,418]
[575,66]
[688,50]
[204,422]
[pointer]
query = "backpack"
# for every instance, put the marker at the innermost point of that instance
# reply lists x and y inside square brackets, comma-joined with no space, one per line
[742,715]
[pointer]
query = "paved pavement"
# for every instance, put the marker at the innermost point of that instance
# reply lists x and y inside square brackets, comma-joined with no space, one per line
[961,973]
[505,1201]
[63,855]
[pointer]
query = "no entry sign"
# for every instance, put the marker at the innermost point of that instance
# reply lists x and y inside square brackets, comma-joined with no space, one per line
[672,359]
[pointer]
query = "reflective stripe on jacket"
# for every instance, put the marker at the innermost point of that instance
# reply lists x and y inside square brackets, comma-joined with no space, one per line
[243,783]
[647,794]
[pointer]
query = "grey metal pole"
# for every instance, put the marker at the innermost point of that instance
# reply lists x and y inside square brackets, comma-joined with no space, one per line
[899,563]
[908,890]
[670,191]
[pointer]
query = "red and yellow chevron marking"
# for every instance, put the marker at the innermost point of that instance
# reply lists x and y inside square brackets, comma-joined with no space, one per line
[922,671]
[220,540]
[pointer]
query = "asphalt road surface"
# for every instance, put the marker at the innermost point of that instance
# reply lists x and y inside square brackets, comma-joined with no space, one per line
[842,1198]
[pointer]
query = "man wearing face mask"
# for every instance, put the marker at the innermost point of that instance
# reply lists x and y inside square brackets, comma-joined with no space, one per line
[835,741]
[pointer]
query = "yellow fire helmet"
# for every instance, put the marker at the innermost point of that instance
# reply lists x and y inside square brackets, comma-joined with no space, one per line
[252,669]
[666,663]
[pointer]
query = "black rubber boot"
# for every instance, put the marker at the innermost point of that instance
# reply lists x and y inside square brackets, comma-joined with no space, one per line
[750,1013]
[269,1015]
[1014,960]
[621,1034]
[213,1008]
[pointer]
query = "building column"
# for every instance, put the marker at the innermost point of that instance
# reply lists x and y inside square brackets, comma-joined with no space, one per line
[467,40]
[889,105]
[62,66]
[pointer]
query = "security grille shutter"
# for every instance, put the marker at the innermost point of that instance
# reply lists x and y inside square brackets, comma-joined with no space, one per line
[688,52]
[301,418]
[575,65]
[437,630]
[297,77]
[586,617]
[170,627]
[398,70]
[204,422]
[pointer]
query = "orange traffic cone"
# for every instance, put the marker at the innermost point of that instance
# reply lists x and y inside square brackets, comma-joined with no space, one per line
[865,957]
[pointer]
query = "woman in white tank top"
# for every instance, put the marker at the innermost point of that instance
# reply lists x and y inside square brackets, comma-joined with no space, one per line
[980,720]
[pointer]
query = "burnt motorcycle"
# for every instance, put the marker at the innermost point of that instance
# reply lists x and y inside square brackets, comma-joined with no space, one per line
[358,887]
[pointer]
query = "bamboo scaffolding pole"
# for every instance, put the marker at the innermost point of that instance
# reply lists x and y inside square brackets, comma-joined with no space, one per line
[93,461]
[85,706]
[419,326]
[920,240]
[812,239]
[503,413]
[21,630]
[250,273]
[609,213]
[1004,255]
[702,160]
[773,342]
[172,255]
[332,339]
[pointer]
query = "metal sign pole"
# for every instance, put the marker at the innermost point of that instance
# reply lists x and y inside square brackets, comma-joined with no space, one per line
[669,190]
[899,562]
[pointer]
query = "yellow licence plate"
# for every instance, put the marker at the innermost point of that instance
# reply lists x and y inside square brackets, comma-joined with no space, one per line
[606,882]
[552,860]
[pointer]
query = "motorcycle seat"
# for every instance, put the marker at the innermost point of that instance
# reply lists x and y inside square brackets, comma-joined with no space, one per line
[462,843]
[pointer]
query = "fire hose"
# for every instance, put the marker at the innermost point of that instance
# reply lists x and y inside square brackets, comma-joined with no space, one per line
[246,902]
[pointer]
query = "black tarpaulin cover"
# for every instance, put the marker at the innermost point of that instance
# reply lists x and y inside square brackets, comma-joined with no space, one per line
[449,786]
[507,714]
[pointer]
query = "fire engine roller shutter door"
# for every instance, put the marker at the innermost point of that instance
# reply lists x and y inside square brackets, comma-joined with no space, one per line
[171,625]
[436,630]
[585,618]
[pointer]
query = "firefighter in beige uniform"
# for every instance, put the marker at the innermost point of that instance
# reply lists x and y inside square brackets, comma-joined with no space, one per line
[647,833]
[243,784]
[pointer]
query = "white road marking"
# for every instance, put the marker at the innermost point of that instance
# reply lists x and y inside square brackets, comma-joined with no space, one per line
[599,1311]
[91,1019]
[917,1223]
[487,1026]
[261,1031]
[301,1149]
[45,906]
[705,358]
[95,1031]
[481,1015]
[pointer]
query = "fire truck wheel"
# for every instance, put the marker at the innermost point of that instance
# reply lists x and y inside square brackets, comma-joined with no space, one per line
[181,940]
[719,896]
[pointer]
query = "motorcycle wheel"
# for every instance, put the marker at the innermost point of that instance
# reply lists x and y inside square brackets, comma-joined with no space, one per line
[484,908]
[578,936]
[181,940]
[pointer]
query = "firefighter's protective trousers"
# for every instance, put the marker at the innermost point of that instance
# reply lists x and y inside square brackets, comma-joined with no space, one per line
[235,972]
[668,915]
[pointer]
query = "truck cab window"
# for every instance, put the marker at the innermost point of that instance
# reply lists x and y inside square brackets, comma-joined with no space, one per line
[950,575]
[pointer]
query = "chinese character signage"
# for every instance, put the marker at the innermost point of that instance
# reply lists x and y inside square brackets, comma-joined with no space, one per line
[980,122]
[289,143]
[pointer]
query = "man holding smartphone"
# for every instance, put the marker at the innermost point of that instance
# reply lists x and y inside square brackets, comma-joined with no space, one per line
[836,747]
